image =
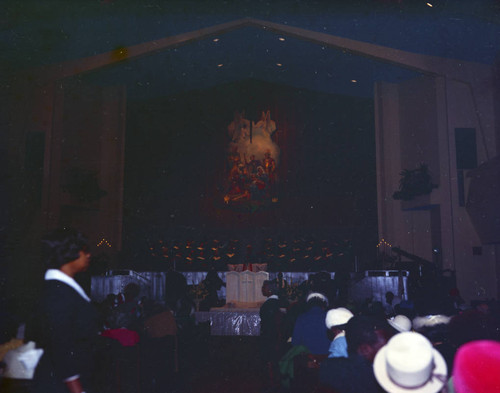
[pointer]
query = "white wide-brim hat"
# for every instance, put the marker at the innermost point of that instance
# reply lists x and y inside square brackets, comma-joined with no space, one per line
[337,317]
[401,323]
[429,321]
[395,373]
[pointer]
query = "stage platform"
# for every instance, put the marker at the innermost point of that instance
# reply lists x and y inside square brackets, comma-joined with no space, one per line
[368,284]
[153,283]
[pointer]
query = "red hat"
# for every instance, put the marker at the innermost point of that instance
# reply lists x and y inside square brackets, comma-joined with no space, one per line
[476,366]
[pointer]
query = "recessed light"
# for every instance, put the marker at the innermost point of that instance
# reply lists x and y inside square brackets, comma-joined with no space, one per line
[429,4]
[354,81]
[281,39]
[220,65]
[216,39]
[279,64]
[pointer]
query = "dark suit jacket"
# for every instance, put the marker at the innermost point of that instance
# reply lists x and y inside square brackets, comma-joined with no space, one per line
[66,328]
[349,375]
[270,329]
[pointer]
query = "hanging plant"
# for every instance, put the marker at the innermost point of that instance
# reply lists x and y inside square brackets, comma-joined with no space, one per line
[414,183]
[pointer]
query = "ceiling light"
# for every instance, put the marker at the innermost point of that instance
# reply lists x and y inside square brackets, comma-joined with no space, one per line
[429,4]
[220,65]
[354,81]
[279,64]
[281,39]
[216,40]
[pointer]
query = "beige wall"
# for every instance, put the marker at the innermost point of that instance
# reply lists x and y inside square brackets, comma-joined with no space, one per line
[428,110]
[83,128]
[476,275]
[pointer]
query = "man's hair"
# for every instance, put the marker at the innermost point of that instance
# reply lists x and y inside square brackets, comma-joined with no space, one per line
[131,291]
[62,246]
[361,330]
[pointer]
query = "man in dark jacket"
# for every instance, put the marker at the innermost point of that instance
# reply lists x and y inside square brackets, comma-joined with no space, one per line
[271,330]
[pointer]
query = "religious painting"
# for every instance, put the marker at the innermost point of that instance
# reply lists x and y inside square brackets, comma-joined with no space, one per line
[251,176]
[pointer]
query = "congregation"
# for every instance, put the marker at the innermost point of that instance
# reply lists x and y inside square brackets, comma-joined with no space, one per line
[383,346]
[320,341]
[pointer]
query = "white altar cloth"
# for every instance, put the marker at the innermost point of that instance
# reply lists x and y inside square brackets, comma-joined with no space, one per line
[231,321]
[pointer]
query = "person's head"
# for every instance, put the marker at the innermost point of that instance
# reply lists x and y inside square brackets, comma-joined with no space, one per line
[131,291]
[66,246]
[437,334]
[212,273]
[475,367]
[316,299]
[428,321]
[321,282]
[338,317]
[401,323]
[389,297]
[269,288]
[366,335]
[109,300]
[336,320]
[409,363]
[483,307]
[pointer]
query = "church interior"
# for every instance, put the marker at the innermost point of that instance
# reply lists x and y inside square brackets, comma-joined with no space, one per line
[257,140]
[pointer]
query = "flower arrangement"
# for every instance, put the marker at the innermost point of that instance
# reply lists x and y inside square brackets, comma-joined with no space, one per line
[294,291]
[197,291]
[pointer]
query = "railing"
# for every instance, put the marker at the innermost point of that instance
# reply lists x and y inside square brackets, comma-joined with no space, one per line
[410,256]
[126,272]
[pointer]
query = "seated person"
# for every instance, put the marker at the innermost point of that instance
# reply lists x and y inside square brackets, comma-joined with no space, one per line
[271,331]
[409,363]
[476,367]
[336,320]
[309,329]
[354,374]
[390,303]
[270,319]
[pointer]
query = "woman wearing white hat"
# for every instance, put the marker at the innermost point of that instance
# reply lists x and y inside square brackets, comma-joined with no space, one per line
[401,323]
[409,364]
[335,321]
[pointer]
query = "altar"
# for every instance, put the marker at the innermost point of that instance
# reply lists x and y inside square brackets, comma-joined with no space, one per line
[226,321]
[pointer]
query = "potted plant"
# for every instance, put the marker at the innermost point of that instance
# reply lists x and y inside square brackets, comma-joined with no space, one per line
[414,183]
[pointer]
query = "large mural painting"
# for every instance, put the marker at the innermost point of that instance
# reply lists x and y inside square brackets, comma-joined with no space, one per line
[251,176]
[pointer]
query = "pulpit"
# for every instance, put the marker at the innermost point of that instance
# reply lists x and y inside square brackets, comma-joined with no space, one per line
[245,287]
